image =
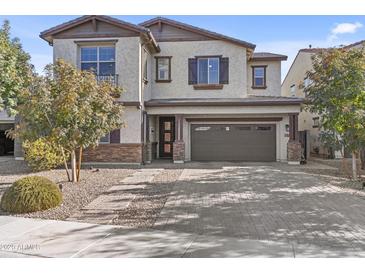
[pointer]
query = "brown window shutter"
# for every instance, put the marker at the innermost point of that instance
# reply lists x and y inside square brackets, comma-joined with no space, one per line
[115,136]
[224,70]
[193,75]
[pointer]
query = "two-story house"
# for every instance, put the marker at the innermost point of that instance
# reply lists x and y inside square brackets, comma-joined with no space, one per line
[189,94]
[294,84]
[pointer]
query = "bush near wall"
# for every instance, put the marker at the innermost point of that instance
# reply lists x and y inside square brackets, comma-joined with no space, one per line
[42,154]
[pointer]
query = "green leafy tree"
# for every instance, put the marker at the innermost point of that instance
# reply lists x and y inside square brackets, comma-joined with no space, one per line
[337,94]
[15,70]
[71,108]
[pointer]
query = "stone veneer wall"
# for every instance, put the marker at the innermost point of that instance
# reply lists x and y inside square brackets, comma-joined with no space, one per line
[123,153]
[294,151]
[179,151]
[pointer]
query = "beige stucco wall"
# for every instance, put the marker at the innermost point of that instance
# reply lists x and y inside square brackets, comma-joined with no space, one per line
[147,86]
[127,62]
[182,51]
[131,132]
[296,74]
[273,78]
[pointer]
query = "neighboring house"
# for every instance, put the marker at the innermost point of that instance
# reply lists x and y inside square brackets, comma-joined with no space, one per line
[189,94]
[293,86]
[6,144]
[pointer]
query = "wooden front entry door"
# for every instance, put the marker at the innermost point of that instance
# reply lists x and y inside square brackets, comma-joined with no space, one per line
[167,136]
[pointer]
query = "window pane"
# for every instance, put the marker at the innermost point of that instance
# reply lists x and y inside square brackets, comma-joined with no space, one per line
[89,66]
[167,148]
[163,68]
[259,72]
[88,54]
[263,128]
[107,54]
[213,71]
[259,82]
[107,68]
[105,139]
[203,71]
[167,125]
[167,137]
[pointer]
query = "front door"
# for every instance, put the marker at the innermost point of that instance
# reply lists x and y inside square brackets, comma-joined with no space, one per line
[167,136]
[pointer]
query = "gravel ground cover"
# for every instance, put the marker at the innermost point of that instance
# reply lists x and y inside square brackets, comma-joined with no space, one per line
[75,195]
[144,209]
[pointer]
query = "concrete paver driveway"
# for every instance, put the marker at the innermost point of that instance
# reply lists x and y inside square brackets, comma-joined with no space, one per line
[267,203]
[252,210]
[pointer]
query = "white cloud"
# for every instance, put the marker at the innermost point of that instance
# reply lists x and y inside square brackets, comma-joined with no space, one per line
[343,28]
[346,28]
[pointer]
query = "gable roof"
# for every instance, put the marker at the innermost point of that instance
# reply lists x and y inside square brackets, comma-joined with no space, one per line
[268,56]
[194,29]
[354,44]
[49,33]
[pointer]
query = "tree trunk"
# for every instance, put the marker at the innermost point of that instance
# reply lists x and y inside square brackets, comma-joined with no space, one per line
[362,157]
[354,167]
[79,164]
[345,168]
[73,166]
[65,164]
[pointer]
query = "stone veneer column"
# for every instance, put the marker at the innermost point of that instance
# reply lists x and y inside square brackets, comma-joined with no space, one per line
[294,147]
[179,144]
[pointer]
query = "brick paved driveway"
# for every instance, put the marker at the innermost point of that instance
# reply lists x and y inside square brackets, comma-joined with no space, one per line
[300,212]
[214,210]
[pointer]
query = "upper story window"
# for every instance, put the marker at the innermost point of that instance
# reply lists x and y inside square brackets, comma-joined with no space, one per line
[100,60]
[163,69]
[292,90]
[208,70]
[259,77]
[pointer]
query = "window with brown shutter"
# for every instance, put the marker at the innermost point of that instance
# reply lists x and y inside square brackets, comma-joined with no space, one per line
[208,72]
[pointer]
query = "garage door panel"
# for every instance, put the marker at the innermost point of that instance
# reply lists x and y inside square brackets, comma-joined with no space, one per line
[237,142]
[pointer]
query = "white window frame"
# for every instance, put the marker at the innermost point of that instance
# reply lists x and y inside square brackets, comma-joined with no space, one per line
[292,90]
[207,58]
[97,57]
[107,142]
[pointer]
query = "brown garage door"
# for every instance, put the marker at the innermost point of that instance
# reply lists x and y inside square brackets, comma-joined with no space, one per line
[232,142]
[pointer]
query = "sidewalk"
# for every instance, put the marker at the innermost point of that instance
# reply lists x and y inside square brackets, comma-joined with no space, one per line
[21,237]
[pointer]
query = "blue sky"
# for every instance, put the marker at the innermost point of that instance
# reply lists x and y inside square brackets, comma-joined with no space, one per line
[278,34]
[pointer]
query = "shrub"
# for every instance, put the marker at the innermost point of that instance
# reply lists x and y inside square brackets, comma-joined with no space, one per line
[42,154]
[29,194]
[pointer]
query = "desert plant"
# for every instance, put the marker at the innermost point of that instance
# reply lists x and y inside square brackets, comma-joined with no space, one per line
[30,194]
[42,154]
